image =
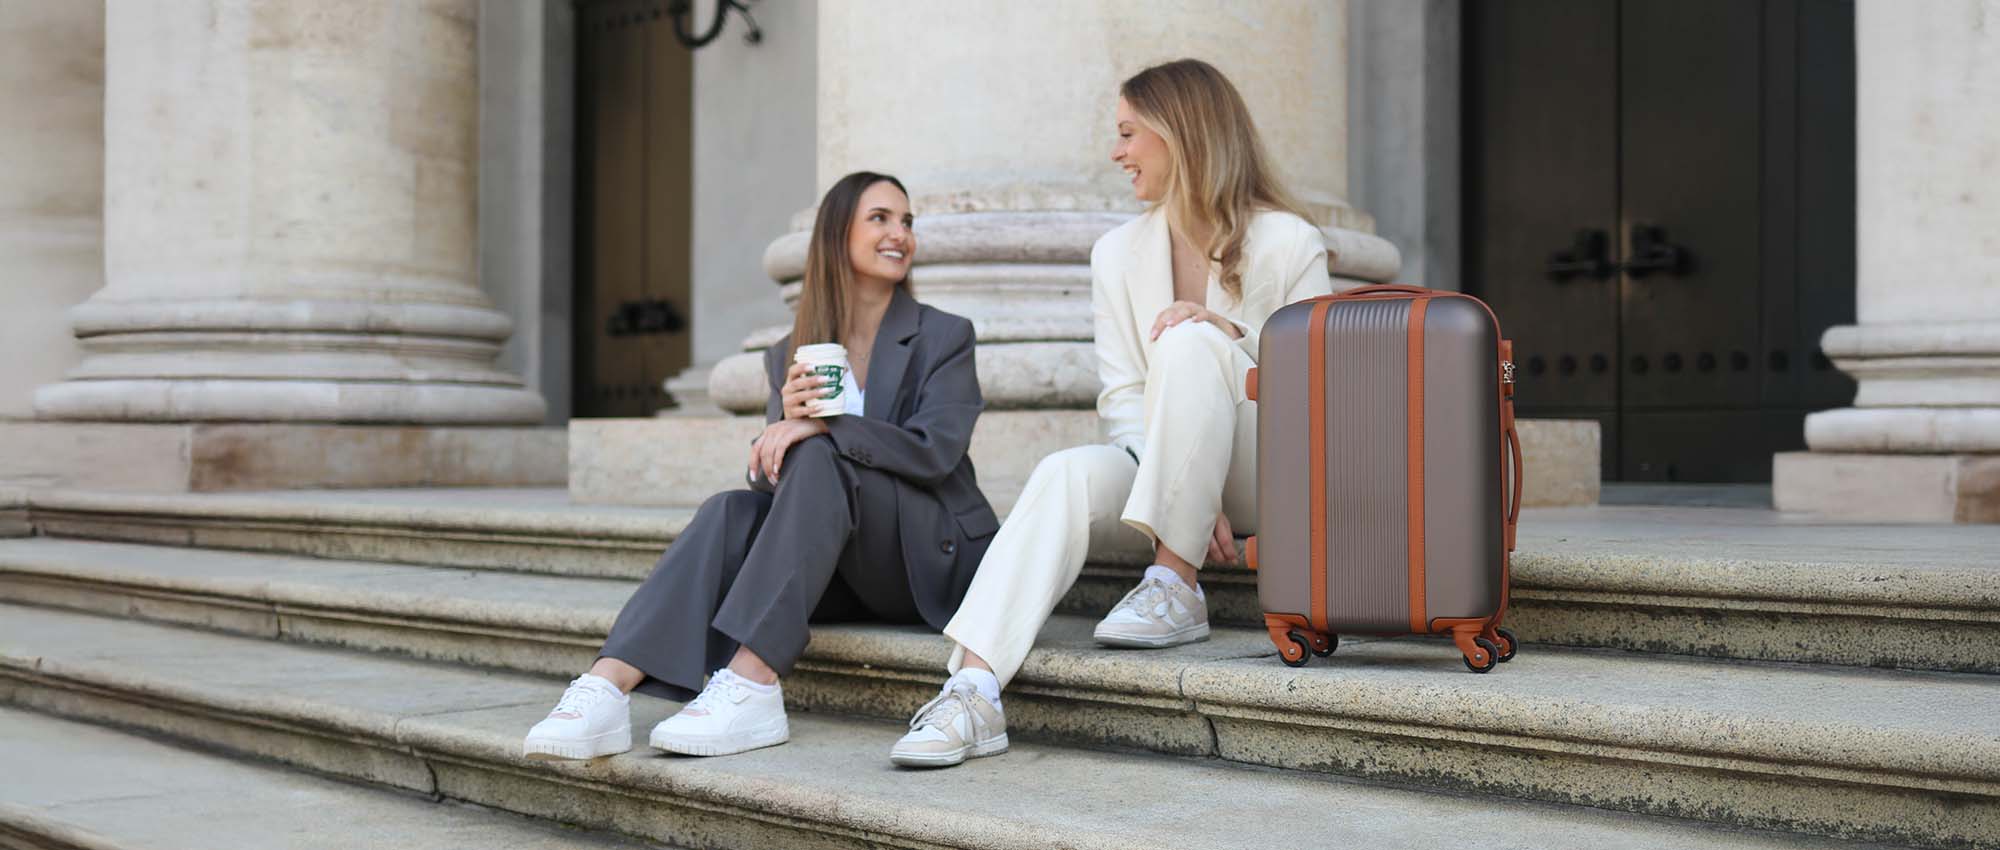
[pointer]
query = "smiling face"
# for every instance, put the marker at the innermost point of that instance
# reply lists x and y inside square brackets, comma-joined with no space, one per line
[1142,153]
[880,243]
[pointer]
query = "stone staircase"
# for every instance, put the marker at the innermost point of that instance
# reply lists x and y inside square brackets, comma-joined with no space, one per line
[1689,677]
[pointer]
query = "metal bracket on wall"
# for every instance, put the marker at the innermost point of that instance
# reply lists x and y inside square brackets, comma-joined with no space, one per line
[682,10]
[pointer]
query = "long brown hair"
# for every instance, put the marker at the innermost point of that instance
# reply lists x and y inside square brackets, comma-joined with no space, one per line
[826,298]
[1221,174]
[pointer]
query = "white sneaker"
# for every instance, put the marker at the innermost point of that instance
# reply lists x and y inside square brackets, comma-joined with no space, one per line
[592,719]
[959,724]
[1159,612]
[731,715]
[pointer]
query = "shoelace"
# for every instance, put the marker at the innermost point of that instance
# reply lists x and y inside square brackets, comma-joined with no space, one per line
[945,707]
[717,689]
[1148,600]
[579,697]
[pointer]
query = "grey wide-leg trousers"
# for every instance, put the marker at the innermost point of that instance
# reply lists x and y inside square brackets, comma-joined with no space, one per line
[752,569]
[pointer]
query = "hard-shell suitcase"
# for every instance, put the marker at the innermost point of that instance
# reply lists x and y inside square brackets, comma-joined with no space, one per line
[1385,424]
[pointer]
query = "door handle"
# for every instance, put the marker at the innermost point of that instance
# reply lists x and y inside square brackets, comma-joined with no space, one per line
[644,317]
[1586,256]
[1651,252]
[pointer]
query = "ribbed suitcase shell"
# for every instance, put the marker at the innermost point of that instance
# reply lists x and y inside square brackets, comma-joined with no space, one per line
[1405,500]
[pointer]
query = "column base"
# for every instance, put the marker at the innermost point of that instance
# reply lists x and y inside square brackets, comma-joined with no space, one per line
[195,457]
[1958,488]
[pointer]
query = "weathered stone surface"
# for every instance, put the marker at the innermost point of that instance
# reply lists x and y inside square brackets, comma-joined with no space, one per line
[518,530]
[14,513]
[1563,462]
[1888,487]
[1925,349]
[216,457]
[51,188]
[1905,430]
[1731,583]
[313,258]
[1734,583]
[816,790]
[966,160]
[138,793]
[1912,364]
[658,461]
[682,460]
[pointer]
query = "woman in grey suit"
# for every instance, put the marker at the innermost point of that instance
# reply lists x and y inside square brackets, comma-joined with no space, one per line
[871,514]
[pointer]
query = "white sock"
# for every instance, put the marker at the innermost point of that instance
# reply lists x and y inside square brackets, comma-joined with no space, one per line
[607,683]
[729,675]
[984,680]
[1162,573]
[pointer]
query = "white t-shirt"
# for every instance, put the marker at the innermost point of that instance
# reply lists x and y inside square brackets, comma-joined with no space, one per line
[853,398]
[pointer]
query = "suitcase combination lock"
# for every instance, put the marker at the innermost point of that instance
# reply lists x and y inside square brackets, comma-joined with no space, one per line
[1506,371]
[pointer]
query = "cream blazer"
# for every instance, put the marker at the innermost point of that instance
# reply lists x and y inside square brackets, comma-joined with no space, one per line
[1132,280]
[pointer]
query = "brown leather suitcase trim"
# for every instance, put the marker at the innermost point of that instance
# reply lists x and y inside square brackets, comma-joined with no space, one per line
[1250,384]
[1415,448]
[1316,404]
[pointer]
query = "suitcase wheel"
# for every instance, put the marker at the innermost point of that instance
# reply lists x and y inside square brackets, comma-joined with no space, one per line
[1489,656]
[1507,645]
[1294,650]
[1323,645]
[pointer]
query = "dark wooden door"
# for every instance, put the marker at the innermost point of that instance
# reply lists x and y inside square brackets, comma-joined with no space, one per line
[1660,209]
[634,207]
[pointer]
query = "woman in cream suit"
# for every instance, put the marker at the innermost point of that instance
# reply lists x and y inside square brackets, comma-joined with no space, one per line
[1178,295]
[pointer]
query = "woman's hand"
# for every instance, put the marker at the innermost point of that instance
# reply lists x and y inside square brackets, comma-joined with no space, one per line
[767,452]
[1222,543]
[1183,311]
[802,387]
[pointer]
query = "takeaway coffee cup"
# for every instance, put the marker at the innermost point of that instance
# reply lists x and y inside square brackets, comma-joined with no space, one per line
[828,360]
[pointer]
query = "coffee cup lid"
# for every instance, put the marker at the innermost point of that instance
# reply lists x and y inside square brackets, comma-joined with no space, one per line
[818,351]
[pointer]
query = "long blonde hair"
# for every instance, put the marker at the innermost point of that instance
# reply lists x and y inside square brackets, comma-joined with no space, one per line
[826,297]
[1221,174]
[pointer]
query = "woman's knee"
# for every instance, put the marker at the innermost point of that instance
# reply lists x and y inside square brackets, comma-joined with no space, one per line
[1074,464]
[814,448]
[732,503]
[1190,342]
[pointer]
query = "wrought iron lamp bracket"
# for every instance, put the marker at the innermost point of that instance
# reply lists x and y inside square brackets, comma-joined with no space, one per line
[683,12]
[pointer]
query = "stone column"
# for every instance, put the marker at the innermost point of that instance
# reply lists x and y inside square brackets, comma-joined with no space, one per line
[1922,441]
[51,188]
[998,117]
[289,234]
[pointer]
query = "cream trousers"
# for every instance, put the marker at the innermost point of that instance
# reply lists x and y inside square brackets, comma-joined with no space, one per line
[1199,458]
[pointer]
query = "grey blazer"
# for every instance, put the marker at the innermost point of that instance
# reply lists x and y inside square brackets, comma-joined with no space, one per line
[922,400]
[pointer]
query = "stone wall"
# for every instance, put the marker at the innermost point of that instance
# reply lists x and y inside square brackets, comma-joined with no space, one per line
[51,188]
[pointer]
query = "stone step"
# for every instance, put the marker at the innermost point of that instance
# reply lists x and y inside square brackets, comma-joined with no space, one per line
[455,734]
[14,513]
[1720,582]
[1838,751]
[76,786]
[678,461]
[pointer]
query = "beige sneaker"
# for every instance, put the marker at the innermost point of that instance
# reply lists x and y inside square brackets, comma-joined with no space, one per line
[1159,612]
[957,725]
